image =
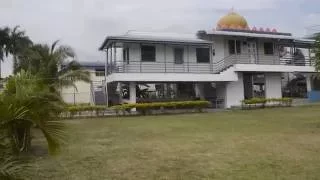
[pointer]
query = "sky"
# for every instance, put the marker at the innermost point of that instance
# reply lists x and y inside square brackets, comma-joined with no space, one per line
[83,24]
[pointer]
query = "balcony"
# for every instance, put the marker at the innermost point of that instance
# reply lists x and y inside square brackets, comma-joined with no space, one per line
[206,68]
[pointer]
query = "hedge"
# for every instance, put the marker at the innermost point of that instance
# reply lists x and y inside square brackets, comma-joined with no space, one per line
[263,102]
[146,108]
[79,109]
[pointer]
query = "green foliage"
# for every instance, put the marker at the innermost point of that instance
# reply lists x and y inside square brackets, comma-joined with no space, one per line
[316,51]
[79,109]
[263,102]
[11,166]
[27,103]
[146,108]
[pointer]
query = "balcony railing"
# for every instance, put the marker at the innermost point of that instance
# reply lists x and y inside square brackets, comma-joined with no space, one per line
[204,68]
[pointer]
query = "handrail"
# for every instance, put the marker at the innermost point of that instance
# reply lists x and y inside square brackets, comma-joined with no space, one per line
[215,67]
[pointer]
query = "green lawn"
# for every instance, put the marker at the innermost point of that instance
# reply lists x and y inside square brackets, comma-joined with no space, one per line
[260,144]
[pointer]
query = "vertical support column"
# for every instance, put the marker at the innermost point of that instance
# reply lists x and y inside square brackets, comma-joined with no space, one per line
[188,51]
[234,92]
[165,58]
[133,94]
[115,56]
[106,73]
[309,83]
[111,57]
[273,86]
[199,91]
[211,58]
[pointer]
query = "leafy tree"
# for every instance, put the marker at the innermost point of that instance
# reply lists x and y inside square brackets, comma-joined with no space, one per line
[316,51]
[4,42]
[54,64]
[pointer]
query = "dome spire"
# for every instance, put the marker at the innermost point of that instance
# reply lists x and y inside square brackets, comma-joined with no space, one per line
[232,21]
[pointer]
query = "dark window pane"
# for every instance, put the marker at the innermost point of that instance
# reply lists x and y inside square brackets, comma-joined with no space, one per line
[232,49]
[203,55]
[148,53]
[178,55]
[238,44]
[125,54]
[268,48]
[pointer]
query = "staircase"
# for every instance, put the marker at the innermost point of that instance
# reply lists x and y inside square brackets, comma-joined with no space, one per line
[99,94]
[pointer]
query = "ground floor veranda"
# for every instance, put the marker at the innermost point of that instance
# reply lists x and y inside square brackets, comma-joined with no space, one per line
[220,94]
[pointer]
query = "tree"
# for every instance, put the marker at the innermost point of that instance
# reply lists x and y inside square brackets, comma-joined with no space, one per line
[4,42]
[316,51]
[54,64]
[18,43]
[27,103]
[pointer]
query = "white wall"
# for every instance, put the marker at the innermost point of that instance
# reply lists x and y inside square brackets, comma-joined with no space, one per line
[83,92]
[273,85]
[234,92]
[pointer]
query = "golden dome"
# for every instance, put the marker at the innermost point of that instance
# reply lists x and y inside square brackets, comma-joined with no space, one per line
[232,21]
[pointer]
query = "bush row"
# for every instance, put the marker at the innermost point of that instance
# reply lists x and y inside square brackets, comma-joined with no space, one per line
[146,108]
[263,102]
[79,109]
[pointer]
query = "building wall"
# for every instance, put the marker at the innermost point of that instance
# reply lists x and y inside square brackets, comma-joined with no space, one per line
[164,53]
[273,85]
[234,92]
[82,94]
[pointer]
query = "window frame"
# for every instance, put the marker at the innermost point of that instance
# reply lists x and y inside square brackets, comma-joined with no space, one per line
[197,55]
[144,59]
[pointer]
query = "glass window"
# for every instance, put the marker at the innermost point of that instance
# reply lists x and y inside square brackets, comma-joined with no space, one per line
[148,53]
[178,55]
[268,48]
[232,48]
[203,55]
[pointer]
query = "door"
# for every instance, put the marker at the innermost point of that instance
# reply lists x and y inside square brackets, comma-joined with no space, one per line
[252,52]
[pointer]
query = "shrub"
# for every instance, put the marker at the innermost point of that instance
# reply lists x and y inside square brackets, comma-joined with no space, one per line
[146,108]
[263,102]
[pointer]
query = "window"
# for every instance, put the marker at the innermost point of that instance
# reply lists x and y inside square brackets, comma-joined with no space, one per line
[203,55]
[268,48]
[125,54]
[99,72]
[148,53]
[178,55]
[232,48]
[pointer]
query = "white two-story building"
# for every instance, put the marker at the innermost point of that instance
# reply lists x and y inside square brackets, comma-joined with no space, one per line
[225,65]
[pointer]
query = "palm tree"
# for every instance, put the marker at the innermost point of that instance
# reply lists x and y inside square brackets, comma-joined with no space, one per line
[25,103]
[55,64]
[4,42]
[18,43]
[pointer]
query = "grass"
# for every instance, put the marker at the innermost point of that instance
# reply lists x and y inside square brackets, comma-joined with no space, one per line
[262,144]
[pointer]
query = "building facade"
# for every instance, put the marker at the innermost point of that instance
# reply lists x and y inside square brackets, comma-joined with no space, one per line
[226,65]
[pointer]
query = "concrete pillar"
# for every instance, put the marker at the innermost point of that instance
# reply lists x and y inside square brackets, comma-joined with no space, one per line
[234,92]
[132,90]
[309,83]
[199,90]
[273,85]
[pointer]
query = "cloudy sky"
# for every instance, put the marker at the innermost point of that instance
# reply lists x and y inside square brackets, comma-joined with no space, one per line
[83,24]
